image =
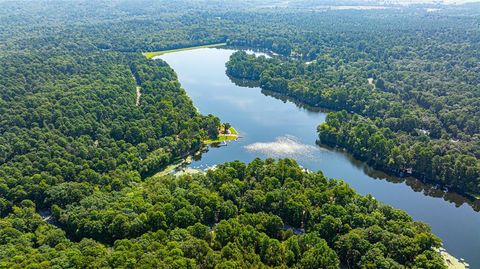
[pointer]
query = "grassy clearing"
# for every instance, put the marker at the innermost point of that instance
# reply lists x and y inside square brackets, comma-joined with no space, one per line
[150,55]
[223,137]
[177,163]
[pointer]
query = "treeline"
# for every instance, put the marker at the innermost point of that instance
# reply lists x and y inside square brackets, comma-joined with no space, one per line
[72,118]
[264,214]
[76,151]
[431,160]
[122,26]
[411,82]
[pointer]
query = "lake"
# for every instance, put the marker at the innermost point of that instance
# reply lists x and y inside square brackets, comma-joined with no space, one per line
[272,127]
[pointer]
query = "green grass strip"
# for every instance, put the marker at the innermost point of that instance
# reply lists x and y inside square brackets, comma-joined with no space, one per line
[233,135]
[150,55]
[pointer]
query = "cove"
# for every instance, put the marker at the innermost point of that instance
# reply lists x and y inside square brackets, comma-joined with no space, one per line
[273,126]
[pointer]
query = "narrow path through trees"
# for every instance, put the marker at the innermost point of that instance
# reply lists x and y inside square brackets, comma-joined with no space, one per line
[136,78]
[139,94]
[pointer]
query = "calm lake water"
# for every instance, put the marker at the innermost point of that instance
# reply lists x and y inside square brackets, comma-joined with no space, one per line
[271,127]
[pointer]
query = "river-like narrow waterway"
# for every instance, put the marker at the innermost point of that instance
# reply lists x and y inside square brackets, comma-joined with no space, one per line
[271,127]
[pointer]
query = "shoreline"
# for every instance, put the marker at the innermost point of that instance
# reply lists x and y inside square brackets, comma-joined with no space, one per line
[232,135]
[451,261]
[473,199]
[186,160]
[174,166]
[382,172]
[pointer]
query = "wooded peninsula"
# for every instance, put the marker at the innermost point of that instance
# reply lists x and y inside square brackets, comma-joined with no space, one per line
[79,149]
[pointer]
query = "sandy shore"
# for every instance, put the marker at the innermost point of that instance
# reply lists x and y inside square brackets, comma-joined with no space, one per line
[173,167]
[451,261]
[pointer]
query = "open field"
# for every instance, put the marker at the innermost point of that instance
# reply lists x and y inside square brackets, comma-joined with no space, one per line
[150,55]
[223,137]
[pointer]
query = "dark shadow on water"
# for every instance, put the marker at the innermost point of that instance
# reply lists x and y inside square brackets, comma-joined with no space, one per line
[415,184]
[279,96]
[245,83]
[286,98]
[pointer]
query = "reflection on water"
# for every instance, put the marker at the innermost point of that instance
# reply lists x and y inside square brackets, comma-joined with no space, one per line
[280,127]
[283,147]
[244,82]
[286,98]
[414,183]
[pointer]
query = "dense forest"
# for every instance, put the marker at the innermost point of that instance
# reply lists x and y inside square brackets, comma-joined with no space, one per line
[412,93]
[267,214]
[79,123]
[79,146]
